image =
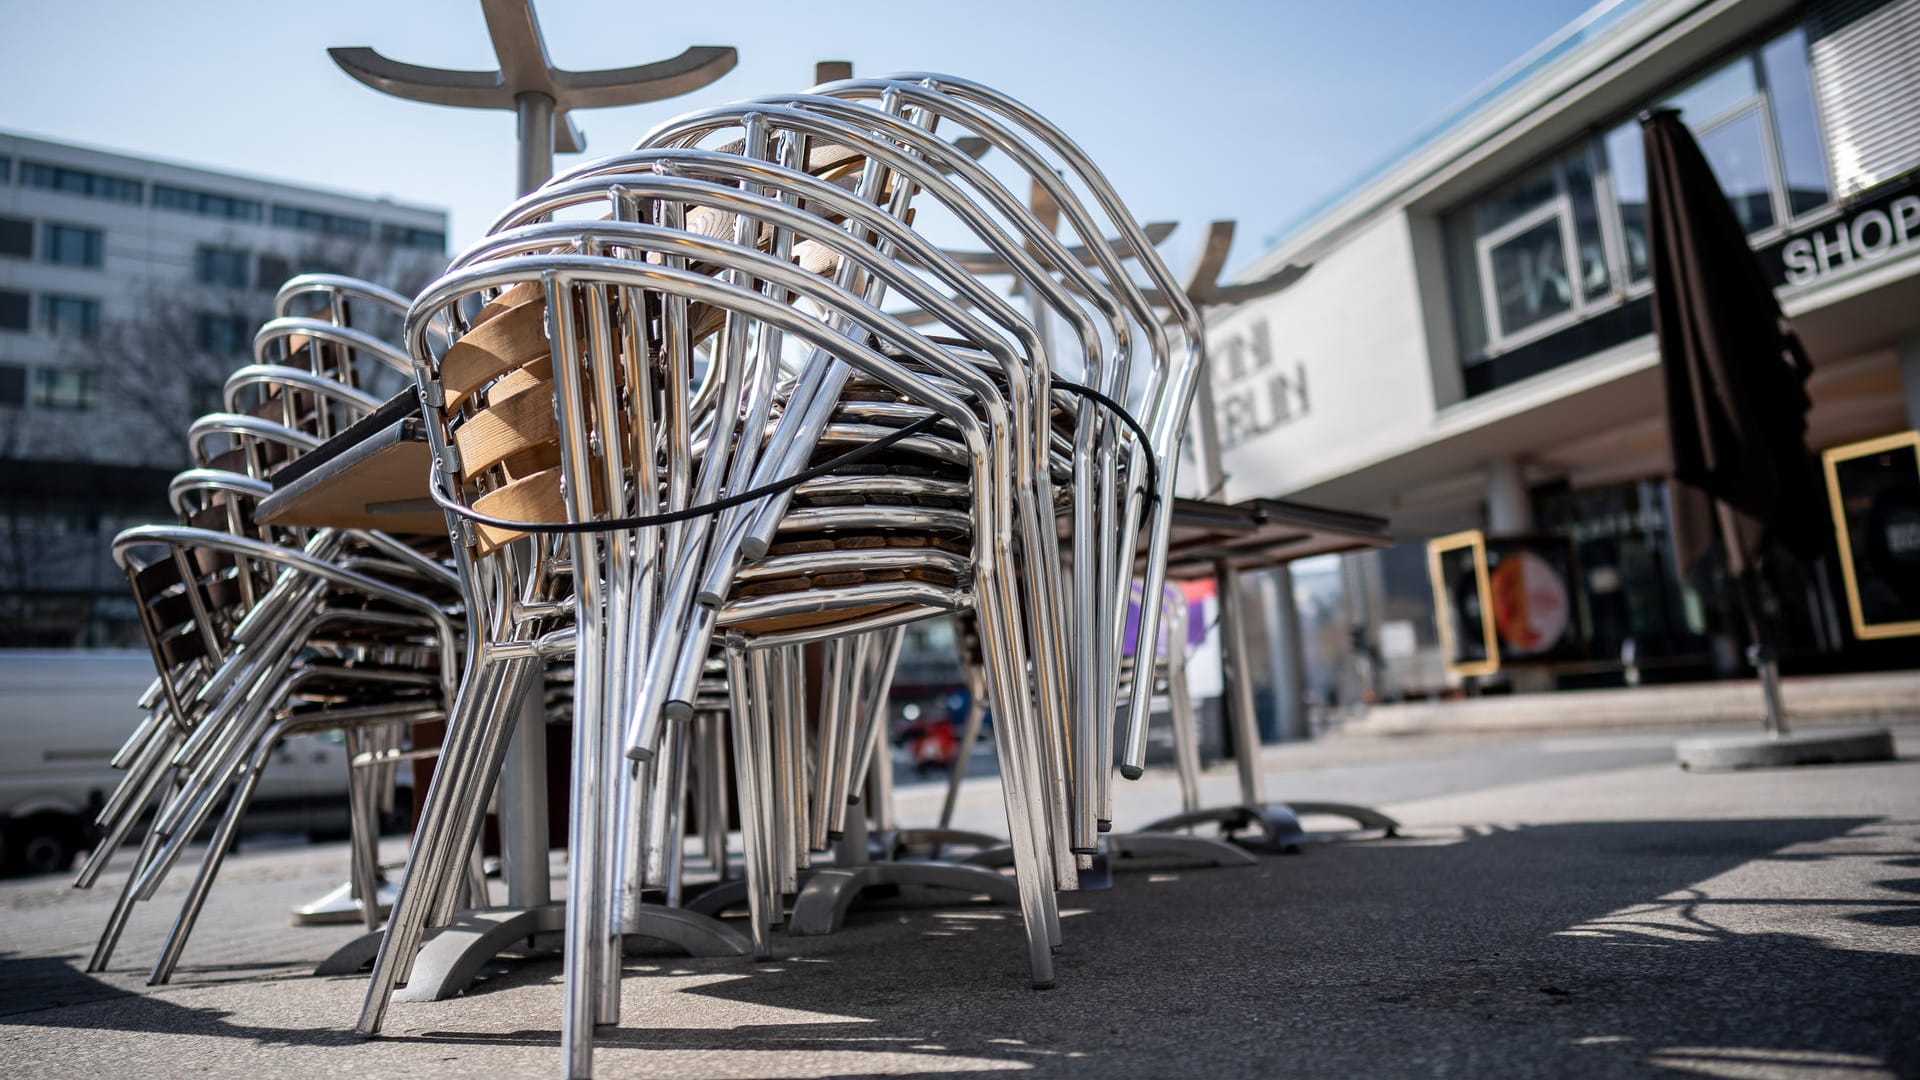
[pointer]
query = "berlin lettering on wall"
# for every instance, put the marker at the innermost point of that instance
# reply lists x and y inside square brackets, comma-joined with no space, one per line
[1254,393]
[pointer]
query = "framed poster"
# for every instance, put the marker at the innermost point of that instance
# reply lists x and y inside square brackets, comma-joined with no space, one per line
[1462,603]
[1533,588]
[1873,488]
[1505,600]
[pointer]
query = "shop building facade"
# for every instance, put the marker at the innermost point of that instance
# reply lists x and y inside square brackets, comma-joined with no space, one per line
[1471,345]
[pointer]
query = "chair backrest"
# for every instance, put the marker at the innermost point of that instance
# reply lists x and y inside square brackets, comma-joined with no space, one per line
[190,599]
[370,316]
[497,382]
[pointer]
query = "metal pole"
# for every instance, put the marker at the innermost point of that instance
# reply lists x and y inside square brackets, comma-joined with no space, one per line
[1747,588]
[1289,656]
[523,804]
[1239,675]
[524,839]
[534,161]
[1234,661]
[1762,658]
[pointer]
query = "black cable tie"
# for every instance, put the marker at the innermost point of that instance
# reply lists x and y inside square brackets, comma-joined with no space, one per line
[1119,410]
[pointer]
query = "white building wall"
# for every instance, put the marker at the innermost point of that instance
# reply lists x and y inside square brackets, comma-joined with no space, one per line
[1327,376]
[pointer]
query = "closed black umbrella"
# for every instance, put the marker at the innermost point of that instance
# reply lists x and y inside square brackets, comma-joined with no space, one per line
[1735,378]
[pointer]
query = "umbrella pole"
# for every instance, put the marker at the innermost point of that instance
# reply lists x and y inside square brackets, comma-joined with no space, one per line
[1761,654]
[1750,590]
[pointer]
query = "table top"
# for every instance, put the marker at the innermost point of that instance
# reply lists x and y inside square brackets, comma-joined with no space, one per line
[374,475]
[1261,533]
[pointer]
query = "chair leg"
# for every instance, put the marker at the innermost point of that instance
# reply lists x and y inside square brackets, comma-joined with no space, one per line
[673,834]
[790,690]
[828,744]
[581,964]
[1186,730]
[744,685]
[1019,779]
[124,808]
[431,857]
[782,746]
[713,791]
[123,906]
[216,853]
[969,736]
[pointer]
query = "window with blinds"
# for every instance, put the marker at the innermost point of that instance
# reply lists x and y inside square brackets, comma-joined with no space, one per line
[1865,56]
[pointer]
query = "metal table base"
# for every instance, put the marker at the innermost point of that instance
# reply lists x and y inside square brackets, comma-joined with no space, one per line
[455,955]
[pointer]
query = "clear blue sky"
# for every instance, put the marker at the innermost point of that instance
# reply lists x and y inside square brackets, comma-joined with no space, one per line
[1197,109]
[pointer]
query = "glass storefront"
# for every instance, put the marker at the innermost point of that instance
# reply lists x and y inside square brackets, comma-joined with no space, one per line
[1633,603]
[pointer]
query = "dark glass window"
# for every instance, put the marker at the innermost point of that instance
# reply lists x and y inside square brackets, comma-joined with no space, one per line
[1516,200]
[1530,283]
[1567,241]
[59,388]
[15,309]
[272,272]
[13,384]
[1756,123]
[226,267]
[74,317]
[1795,124]
[1590,245]
[206,203]
[409,236]
[72,245]
[1627,160]
[6,170]
[83,182]
[227,334]
[1539,251]
[1719,93]
[320,221]
[1623,543]
[1736,148]
[16,237]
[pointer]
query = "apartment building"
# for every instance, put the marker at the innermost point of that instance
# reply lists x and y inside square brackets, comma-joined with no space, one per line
[128,288]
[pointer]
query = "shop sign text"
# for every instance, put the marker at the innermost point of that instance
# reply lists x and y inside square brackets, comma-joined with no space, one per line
[1871,234]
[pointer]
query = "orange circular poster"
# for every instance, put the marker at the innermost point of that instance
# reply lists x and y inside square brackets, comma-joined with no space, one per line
[1530,607]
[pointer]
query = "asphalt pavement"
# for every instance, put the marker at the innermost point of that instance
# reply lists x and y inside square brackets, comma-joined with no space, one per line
[1555,906]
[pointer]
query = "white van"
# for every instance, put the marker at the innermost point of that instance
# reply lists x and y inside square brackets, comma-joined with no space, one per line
[64,714]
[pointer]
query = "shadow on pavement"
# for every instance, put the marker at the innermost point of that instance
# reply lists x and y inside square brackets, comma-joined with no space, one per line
[53,991]
[1596,948]
[1504,954]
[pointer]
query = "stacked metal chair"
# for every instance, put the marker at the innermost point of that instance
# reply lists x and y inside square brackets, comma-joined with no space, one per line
[656,364]
[259,633]
[1115,462]
[1164,668]
[1168,675]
